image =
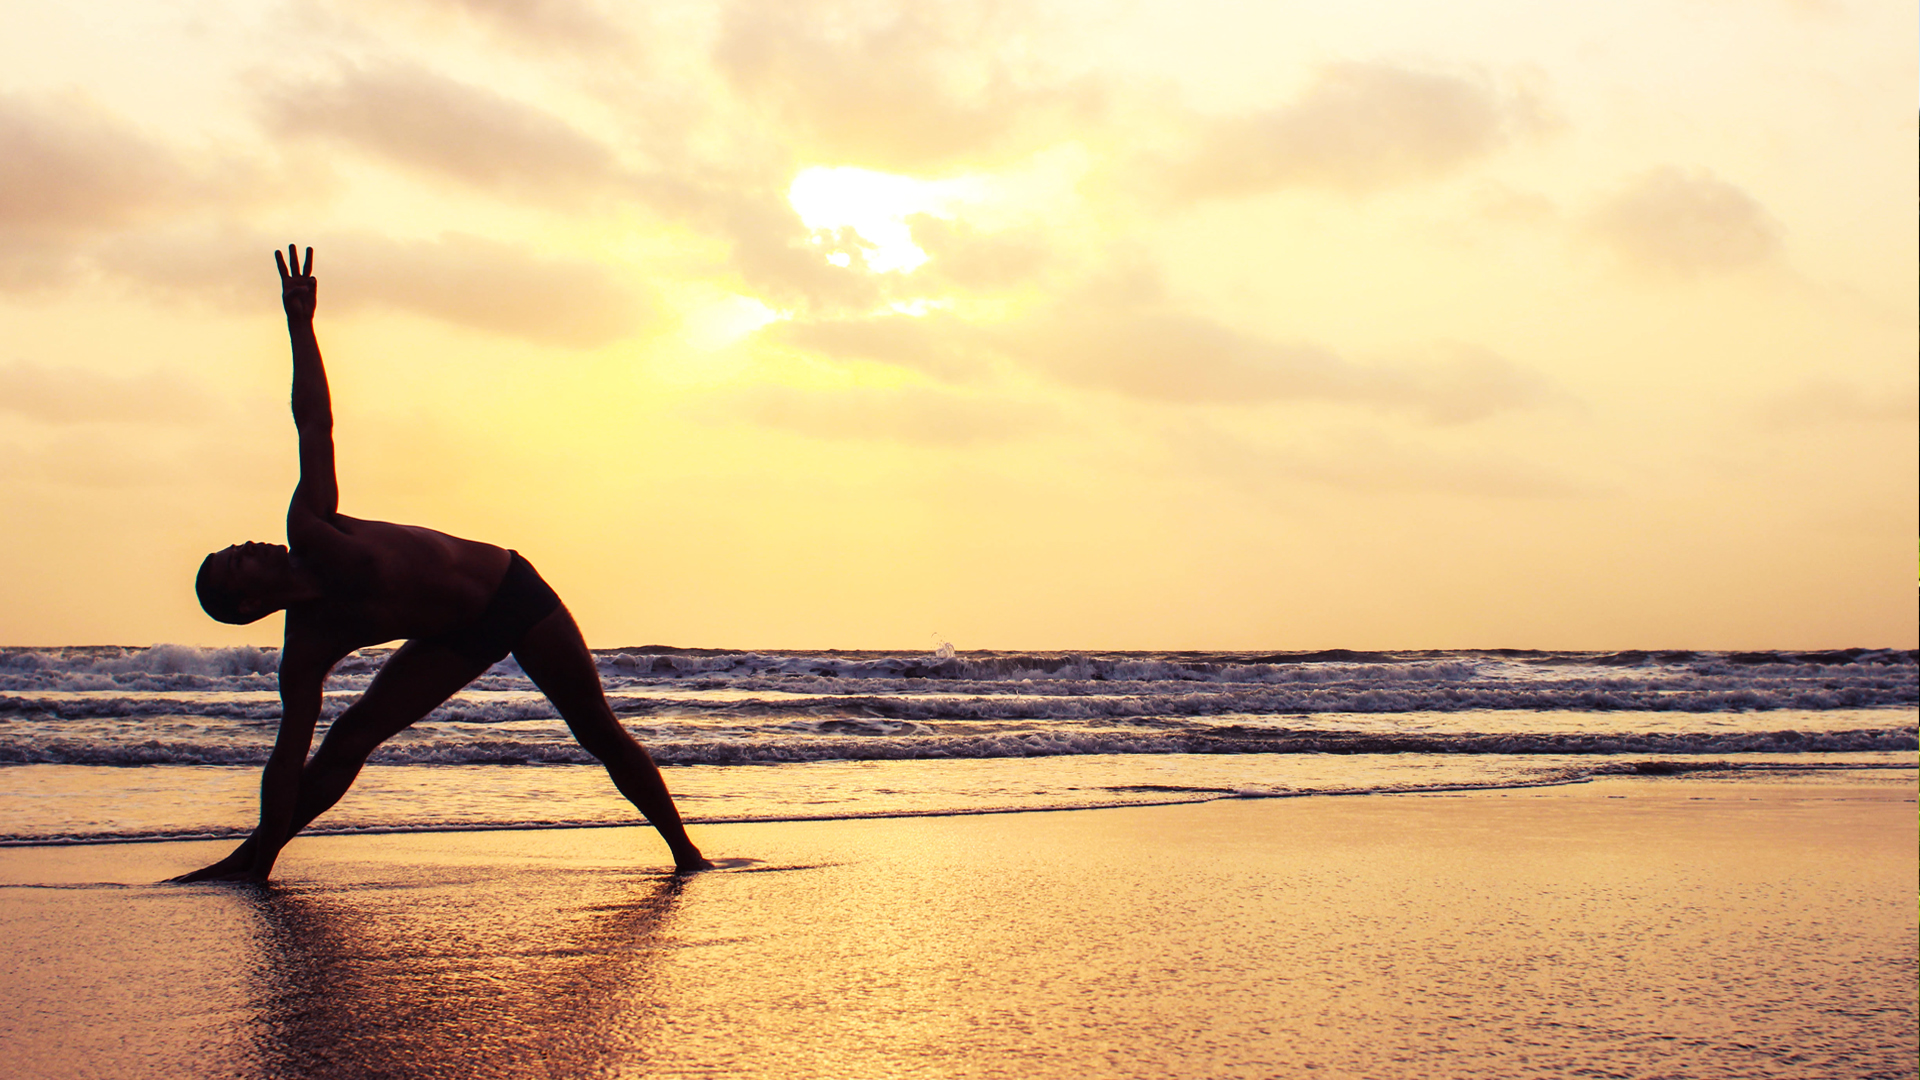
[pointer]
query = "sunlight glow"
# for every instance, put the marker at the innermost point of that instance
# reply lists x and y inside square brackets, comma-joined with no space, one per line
[875,205]
[724,321]
[919,306]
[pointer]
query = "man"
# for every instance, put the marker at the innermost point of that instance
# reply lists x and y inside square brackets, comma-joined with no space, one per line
[346,583]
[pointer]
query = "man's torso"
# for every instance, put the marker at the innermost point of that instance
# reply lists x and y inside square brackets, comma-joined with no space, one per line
[384,581]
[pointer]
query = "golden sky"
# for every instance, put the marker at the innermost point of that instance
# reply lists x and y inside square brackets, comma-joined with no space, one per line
[1165,324]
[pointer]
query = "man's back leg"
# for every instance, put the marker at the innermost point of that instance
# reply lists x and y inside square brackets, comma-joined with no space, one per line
[555,657]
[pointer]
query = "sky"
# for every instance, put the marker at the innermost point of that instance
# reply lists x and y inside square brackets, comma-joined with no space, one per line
[1149,325]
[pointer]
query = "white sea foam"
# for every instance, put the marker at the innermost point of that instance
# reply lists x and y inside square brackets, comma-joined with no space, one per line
[469,744]
[179,667]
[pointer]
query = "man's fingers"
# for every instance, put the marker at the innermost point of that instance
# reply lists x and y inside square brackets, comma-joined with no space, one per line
[291,268]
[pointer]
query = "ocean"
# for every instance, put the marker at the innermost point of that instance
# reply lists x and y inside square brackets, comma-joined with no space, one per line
[112,744]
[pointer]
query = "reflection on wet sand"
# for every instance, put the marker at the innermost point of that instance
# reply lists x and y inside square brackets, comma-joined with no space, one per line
[1644,927]
[420,981]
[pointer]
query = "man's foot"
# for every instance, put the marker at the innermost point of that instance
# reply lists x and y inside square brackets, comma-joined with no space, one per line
[237,863]
[226,870]
[690,861]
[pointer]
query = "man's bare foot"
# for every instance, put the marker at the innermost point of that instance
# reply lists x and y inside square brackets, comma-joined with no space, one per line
[216,874]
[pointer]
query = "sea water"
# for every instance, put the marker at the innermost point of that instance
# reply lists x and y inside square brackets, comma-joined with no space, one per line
[104,744]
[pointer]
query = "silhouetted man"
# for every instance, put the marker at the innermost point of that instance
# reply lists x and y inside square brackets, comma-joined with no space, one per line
[346,583]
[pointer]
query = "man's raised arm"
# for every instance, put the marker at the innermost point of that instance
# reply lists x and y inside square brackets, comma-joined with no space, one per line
[318,496]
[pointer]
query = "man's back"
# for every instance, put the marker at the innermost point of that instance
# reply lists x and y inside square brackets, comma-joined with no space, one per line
[382,581]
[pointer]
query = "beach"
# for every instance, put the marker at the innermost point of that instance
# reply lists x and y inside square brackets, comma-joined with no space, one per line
[1626,926]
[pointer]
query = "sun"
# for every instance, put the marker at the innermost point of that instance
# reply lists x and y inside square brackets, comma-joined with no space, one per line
[875,205]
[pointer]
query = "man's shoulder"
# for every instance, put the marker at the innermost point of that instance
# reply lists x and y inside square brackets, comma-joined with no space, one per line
[353,526]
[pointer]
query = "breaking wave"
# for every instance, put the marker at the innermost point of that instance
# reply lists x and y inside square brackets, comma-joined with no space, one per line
[178,705]
[184,667]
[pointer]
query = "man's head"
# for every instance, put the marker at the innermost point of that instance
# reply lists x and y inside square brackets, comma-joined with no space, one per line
[245,582]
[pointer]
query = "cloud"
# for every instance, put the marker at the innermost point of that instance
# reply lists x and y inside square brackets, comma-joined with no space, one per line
[1123,335]
[491,286]
[1459,383]
[1825,403]
[960,255]
[427,122]
[76,395]
[1367,463]
[89,462]
[1176,357]
[432,124]
[1688,223]
[226,266]
[549,24]
[774,252]
[1358,127]
[917,415]
[466,280]
[1121,339]
[940,345]
[1496,203]
[905,86]
[68,166]
[1172,356]
[29,263]
[70,171]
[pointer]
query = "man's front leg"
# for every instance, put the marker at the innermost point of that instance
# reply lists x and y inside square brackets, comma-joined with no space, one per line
[322,782]
[232,868]
[315,796]
[316,780]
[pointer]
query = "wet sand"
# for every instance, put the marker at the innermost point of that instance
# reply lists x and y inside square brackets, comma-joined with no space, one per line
[1628,927]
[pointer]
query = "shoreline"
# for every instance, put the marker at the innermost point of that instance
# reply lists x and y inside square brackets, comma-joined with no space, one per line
[1632,925]
[1659,768]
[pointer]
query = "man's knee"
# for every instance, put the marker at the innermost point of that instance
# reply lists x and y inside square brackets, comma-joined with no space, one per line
[338,753]
[353,736]
[604,738]
[603,746]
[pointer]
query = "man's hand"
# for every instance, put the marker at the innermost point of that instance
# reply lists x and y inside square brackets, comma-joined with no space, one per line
[298,291]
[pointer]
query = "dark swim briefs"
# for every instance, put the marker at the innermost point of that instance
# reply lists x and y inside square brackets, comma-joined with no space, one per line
[518,605]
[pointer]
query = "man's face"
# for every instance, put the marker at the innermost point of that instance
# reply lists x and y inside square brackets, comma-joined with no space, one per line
[252,568]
